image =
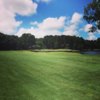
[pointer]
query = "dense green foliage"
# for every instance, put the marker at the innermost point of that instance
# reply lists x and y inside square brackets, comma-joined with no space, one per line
[28,41]
[92,14]
[63,41]
[70,42]
[27,75]
[11,42]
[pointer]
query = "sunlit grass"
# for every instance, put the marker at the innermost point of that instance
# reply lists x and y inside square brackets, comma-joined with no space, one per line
[26,75]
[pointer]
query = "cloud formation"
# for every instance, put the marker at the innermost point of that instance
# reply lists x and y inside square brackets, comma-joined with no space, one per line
[54,26]
[49,26]
[72,28]
[8,11]
[76,18]
[91,35]
[45,1]
[88,27]
[52,23]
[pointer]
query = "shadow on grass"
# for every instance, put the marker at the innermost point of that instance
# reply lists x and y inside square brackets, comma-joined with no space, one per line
[20,78]
[16,82]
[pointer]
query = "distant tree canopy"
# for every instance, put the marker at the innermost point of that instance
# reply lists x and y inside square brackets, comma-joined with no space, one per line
[92,14]
[70,42]
[28,41]
[11,42]
[63,41]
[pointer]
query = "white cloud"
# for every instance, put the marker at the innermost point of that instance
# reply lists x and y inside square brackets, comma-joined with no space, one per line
[53,26]
[45,1]
[91,36]
[76,18]
[72,28]
[52,23]
[49,26]
[38,32]
[87,27]
[8,11]
[34,23]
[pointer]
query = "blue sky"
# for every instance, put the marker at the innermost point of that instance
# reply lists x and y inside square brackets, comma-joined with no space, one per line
[45,17]
[55,8]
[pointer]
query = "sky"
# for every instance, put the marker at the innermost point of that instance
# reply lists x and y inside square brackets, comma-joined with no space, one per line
[45,17]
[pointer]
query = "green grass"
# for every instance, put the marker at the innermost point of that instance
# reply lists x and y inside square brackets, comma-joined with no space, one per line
[26,75]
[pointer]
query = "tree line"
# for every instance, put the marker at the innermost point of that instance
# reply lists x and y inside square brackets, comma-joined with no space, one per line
[11,42]
[28,41]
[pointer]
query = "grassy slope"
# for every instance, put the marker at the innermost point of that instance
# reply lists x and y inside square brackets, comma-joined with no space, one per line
[27,75]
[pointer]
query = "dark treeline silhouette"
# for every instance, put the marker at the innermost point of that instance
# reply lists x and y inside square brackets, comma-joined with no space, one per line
[28,41]
[68,42]
[11,42]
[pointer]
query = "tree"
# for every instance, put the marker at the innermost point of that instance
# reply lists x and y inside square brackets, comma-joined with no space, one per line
[98,43]
[27,41]
[8,42]
[39,43]
[92,14]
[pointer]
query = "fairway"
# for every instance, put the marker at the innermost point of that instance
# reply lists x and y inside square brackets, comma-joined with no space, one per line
[26,75]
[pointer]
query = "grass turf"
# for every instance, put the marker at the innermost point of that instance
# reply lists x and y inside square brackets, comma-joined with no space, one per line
[26,75]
